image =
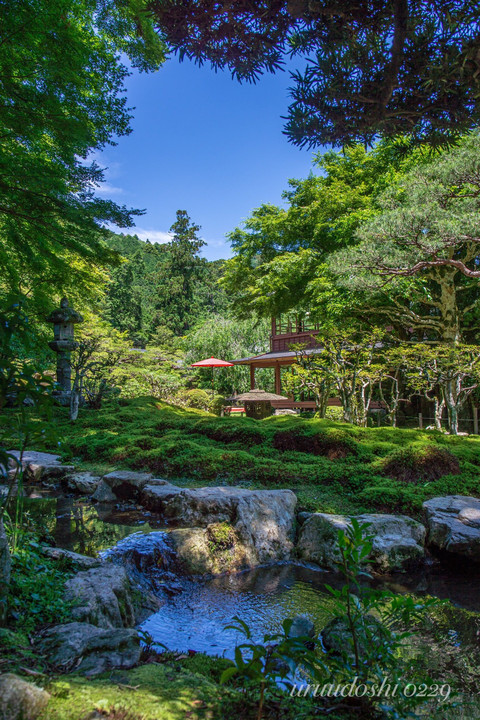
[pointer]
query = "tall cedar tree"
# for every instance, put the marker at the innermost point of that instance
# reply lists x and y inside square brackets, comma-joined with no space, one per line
[179,275]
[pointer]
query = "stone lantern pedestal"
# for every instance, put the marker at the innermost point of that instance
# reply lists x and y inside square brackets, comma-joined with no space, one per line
[63,343]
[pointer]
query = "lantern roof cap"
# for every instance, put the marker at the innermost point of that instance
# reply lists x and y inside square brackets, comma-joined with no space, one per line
[257,395]
[64,314]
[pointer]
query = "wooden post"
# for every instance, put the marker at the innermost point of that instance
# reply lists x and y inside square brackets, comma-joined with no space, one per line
[475,420]
[252,376]
[278,380]
[420,421]
[273,333]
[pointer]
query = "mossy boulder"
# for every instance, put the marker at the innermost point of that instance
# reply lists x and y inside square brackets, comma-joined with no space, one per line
[102,596]
[398,541]
[89,649]
[20,700]
[211,550]
[263,519]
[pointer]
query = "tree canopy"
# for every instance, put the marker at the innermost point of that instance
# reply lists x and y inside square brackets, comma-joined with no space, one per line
[371,67]
[418,257]
[61,99]
[281,253]
[162,288]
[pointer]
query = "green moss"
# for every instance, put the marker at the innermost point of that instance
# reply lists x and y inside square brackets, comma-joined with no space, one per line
[150,692]
[332,466]
[221,536]
[170,690]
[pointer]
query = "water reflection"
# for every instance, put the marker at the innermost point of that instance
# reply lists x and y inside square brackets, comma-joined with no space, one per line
[85,528]
[263,598]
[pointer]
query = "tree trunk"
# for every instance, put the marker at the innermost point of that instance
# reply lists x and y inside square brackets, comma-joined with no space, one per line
[448,305]
[451,401]
[438,412]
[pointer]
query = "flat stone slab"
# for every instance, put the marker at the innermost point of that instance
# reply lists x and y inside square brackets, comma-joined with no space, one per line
[98,649]
[155,494]
[83,562]
[126,484]
[453,525]
[397,540]
[41,465]
[82,482]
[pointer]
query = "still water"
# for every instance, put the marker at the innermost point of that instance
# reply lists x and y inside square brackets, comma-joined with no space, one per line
[194,616]
[85,528]
[263,598]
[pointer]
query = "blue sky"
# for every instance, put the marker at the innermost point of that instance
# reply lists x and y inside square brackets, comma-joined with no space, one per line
[202,142]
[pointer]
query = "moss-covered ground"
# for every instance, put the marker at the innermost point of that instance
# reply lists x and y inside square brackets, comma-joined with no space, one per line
[333,467]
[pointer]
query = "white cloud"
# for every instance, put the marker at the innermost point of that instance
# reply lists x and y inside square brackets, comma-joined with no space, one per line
[107,189]
[155,236]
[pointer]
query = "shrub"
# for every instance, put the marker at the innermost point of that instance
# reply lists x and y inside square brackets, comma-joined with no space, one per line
[333,445]
[216,404]
[197,398]
[334,413]
[413,464]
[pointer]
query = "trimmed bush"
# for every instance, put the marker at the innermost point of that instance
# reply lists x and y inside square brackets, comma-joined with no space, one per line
[426,463]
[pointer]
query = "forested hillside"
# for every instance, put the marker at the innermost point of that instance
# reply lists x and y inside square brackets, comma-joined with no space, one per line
[162,288]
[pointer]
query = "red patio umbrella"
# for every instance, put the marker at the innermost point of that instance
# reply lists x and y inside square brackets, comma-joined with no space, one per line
[213,363]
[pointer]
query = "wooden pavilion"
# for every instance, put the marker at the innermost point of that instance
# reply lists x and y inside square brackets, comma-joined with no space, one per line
[287,330]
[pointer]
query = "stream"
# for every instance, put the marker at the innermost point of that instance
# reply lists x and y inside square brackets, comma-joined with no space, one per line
[195,612]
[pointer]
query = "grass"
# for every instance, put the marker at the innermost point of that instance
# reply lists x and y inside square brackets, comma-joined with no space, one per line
[333,467]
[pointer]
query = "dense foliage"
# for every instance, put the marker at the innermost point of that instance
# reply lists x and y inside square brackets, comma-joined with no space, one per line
[373,68]
[56,108]
[163,290]
[418,255]
[280,255]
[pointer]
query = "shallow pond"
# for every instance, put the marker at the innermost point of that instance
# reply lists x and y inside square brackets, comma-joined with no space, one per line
[264,597]
[195,617]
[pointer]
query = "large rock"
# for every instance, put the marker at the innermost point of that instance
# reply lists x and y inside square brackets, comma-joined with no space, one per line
[20,700]
[397,540]
[42,466]
[265,522]
[82,562]
[89,649]
[104,493]
[102,597]
[149,561]
[127,485]
[262,519]
[5,567]
[212,550]
[156,494]
[453,526]
[83,482]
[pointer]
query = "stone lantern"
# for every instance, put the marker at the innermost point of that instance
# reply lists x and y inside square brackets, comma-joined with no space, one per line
[258,403]
[63,343]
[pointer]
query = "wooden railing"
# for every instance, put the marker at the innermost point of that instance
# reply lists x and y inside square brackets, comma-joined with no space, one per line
[281,343]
